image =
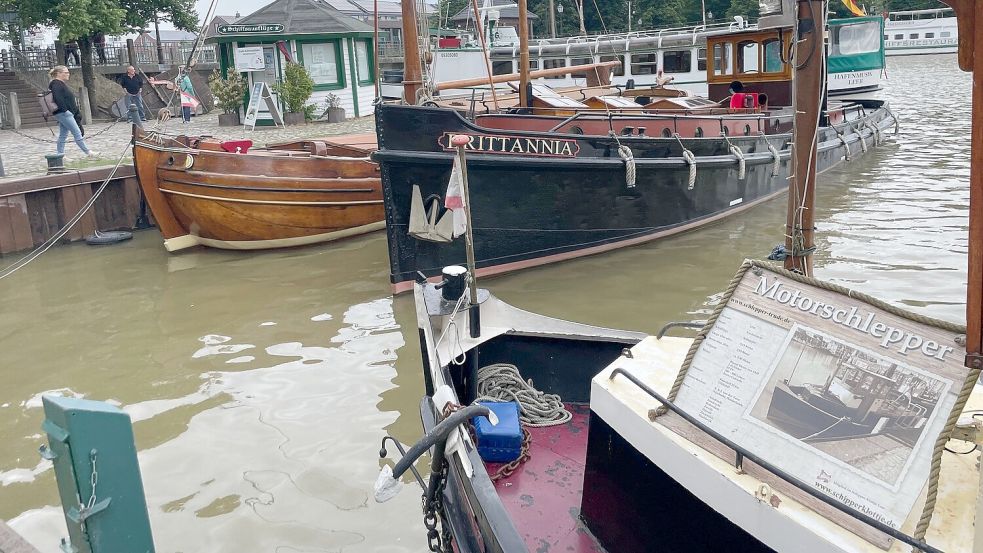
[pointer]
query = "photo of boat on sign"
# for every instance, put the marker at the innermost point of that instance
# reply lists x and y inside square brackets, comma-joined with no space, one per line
[855,406]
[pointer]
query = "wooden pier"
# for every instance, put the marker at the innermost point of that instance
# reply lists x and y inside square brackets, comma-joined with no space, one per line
[33,209]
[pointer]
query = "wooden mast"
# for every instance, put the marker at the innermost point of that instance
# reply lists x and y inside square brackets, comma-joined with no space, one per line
[523,54]
[807,85]
[412,69]
[970,12]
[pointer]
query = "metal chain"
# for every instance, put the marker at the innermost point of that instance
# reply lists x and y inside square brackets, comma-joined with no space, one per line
[93,480]
[434,516]
[45,140]
[507,469]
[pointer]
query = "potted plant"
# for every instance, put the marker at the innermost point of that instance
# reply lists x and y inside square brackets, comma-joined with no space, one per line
[229,93]
[294,91]
[336,113]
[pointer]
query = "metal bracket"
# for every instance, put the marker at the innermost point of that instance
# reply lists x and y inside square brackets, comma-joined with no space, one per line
[47,454]
[79,516]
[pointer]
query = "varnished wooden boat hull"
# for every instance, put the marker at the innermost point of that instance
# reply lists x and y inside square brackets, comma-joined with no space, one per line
[267,199]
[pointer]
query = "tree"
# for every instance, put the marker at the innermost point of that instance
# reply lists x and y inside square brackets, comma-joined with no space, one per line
[748,9]
[79,19]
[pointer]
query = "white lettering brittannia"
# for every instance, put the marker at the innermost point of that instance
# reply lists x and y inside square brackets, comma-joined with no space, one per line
[902,340]
[515,145]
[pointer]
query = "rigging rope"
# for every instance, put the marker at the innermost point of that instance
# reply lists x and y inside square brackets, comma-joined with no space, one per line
[502,382]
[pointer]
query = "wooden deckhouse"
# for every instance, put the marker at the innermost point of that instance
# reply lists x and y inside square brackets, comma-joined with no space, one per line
[336,49]
[755,59]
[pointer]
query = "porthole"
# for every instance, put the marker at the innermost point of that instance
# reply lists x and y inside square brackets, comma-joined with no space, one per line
[724,130]
[699,132]
[747,130]
[666,133]
[576,130]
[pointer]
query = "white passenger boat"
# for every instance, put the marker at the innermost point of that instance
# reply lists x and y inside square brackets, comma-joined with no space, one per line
[921,32]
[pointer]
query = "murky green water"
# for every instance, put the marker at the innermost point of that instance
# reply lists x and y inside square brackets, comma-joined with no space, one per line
[261,383]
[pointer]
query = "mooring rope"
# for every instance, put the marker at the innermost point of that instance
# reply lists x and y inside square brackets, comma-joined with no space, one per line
[736,151]
[863,141]
[846,145]
[502,382]
[897,124]
[777,166]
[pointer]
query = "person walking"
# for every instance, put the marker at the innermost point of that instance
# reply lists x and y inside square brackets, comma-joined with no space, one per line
[99,41]
[133,85]
[68,112]
[189,101]
[72,51]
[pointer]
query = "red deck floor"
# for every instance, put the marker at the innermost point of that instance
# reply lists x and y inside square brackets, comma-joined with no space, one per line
[543,495]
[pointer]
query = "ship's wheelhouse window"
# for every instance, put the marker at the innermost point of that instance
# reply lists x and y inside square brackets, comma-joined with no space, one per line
[580,61]
[701,59]
[533,64]
[913,35]
[773,55]
[502,67]
[945,34]
[677,61]
[722,54]
[555,64]
[616,71]
[898,37]
[929,35]
[747,57]
[644,64]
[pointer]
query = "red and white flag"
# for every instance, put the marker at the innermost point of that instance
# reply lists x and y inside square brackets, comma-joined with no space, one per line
[454,199]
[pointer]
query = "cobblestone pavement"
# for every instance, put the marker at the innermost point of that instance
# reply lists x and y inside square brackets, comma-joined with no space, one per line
[22,152]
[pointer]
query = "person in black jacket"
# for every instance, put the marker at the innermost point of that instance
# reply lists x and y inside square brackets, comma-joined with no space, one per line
[68,110]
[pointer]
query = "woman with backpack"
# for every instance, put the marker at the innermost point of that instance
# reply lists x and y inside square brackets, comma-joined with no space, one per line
[67,112]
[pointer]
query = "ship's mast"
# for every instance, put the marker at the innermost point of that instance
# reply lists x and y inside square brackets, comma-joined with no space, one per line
[523,54]
[808,74]
[970,21]
[412,69]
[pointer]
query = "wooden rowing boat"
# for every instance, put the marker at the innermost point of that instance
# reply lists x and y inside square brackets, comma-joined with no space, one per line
[290,194]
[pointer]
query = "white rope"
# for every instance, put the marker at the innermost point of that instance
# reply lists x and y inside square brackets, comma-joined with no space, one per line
[460,358]
[897,124]
[777,166]
[863,141]
[502,382]
[629,159]
[690,160]
[846,145]
[741,164]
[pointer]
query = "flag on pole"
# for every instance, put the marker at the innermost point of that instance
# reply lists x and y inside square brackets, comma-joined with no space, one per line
[454,199]
[854,8]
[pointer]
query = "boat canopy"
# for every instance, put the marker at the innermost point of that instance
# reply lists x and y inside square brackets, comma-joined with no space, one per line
[856,44]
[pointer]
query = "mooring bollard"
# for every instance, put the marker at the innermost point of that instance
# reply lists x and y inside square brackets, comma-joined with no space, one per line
[56,163]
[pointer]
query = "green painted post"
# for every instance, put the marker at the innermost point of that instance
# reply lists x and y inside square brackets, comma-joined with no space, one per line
[351,67]
[95,460]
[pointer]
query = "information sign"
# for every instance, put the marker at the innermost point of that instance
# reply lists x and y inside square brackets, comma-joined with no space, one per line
[250,58]
[261,92]
[257,28]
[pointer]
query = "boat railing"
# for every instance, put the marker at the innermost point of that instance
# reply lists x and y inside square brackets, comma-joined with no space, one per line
[741,454]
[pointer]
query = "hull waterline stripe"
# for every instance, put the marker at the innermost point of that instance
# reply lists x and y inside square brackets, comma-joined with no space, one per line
[265,189]
[266,202]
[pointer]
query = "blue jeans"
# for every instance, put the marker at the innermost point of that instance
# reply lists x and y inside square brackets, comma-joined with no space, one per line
[138,100]
[186,112]
[67,124]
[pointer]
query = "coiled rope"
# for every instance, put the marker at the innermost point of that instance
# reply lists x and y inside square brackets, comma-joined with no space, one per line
[690,160]
[741,165]
[777,166]
[629,159]
[502,382]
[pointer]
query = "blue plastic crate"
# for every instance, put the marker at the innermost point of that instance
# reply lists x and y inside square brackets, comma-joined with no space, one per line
[501,443]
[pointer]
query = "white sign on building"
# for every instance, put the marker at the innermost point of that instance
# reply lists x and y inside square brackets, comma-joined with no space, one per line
[250,59]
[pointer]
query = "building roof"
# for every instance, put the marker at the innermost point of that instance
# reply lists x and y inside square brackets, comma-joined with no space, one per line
[365,7]
[507,9]
[303,17]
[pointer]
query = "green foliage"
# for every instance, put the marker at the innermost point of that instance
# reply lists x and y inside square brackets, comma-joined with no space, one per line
[296,88]
[748,9]
[229,92]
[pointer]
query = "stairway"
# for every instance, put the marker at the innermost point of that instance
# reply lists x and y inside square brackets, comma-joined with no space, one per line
[27,99]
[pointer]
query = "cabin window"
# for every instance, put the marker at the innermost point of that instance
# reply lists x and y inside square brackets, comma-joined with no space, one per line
[555,64]
[701,59]
[580,61]
[945,34]
[722,54]
[913,35]
[747,57]
[502,67]
[773,56]
[533,65]
[616,71]
[886,37]
[929,35]
[856,38]
[677,61]
[322,60]
[363,55]
[644,64]
[898,37]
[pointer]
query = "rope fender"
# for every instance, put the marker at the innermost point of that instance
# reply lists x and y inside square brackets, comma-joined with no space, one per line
[691,161]
[778,160]
[629,159]
[863,141]
[846,146]
[741,166]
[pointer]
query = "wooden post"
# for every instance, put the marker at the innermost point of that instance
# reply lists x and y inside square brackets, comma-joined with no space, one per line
[807,85]
[412,70]
[970,21]
[523,54]
[14,110]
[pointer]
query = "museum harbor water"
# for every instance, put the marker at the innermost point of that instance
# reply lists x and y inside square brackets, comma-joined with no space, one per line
[260,384]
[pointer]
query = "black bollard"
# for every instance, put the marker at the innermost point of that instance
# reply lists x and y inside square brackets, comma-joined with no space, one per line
[455,282]
[56,163]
